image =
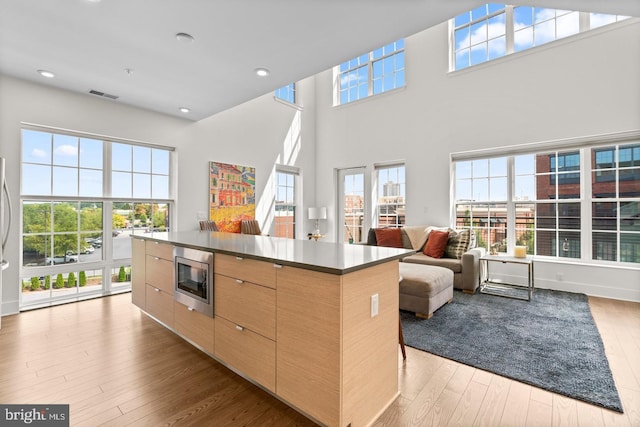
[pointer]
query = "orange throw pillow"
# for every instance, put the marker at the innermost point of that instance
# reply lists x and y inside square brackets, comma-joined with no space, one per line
[436,244]
[390,237]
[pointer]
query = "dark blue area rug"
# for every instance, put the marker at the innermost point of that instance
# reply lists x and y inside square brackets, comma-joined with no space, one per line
[550,342]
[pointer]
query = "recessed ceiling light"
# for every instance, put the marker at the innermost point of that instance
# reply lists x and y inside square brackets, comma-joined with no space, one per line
[184,110]
[45,73]
[262,72]
[184,37]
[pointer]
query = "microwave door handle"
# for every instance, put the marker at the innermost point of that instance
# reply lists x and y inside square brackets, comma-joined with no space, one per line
[5,189]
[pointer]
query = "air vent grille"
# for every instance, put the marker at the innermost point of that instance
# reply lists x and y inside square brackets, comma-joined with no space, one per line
[104,95]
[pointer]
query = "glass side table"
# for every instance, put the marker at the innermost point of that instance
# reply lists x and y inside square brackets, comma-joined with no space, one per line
[491,286]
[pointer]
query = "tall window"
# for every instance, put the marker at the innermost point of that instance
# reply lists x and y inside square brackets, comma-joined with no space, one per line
[554,205]
[372,73]
[615,217]
[285,205]
[494,30]
[81,198]
[353,204]
[287,93]
[481,200]
[391,191]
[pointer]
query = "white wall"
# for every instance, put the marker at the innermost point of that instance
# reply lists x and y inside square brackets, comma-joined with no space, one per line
[585,85]
[260,133]
[252,134]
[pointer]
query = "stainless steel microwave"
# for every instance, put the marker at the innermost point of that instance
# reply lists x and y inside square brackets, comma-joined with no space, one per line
[194,279]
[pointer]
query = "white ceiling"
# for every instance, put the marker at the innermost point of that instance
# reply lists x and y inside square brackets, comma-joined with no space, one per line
[88,45]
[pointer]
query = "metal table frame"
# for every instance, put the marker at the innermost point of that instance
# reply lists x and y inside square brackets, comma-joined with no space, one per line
[489,286]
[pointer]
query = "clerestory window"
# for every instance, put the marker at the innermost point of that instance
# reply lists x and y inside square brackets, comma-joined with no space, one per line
[372,73]
[494,30]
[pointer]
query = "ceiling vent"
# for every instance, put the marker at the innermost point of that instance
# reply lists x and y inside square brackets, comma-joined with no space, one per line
[104,95]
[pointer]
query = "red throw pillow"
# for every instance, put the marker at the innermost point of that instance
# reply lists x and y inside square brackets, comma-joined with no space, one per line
[390,237]
[436,244]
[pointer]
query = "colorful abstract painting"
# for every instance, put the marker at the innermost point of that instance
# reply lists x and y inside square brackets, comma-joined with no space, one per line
[231,195]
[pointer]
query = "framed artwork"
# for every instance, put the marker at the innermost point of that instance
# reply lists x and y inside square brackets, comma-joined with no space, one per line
[231,195]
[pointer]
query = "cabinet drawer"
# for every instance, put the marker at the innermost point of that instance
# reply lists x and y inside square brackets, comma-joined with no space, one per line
[246,304]
[194,325]
[159,273]
[160,250]
[160,305]
[250,270]
[248,352]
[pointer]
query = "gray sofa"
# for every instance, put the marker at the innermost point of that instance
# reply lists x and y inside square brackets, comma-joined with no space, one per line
[466,270]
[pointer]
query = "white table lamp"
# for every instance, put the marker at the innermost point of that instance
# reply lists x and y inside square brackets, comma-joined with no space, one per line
[317,214]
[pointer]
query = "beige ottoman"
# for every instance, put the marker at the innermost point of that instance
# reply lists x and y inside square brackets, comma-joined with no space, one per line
[424,288]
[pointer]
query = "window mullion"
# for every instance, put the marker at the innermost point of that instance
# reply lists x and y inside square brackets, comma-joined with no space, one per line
[586,205]
[509,29]
[511,211]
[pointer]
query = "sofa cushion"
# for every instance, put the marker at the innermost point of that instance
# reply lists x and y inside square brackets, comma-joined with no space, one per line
[452,264]
[371,237]
[390,237]
[414,236]
[458,243]
[436,244]
[424,280]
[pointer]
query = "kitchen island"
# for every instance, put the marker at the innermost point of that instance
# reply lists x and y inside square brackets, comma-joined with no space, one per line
[313,323]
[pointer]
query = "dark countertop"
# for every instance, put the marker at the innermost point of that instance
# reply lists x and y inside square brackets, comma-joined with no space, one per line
[334,258]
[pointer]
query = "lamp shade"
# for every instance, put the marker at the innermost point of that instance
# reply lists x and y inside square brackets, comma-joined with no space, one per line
[317,213]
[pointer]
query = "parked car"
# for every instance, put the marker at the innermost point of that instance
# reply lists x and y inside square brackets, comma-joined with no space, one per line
[67,258]
[88,250]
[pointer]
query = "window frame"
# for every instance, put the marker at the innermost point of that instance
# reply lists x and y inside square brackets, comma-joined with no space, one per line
[400,218]
[108,261]
[287,94]
[294,173]
[584,201]
[585,20]
[365,65]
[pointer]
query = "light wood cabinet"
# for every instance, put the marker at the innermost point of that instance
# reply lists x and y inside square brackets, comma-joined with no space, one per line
[138,285]
[334,361]
[245,307]
[250,270]
[195,326]
[152,278]
[247,304]
[160,250]
[309,320]
[306,336]
[248,352]
[160,305]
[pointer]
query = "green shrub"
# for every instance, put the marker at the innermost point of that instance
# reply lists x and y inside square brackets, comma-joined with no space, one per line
[47,282]
[26,285]
[82,278]
[59,282]
[122,276]
[71,280]
[35,283]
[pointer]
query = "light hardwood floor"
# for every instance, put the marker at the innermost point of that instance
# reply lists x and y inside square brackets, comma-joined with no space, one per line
[117,367]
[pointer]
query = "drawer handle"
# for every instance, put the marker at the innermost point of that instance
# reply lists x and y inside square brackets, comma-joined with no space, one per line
[156,258]
[156,289]
[190,308]
[239,282]
[240,328]
[277,265]
[239,258]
